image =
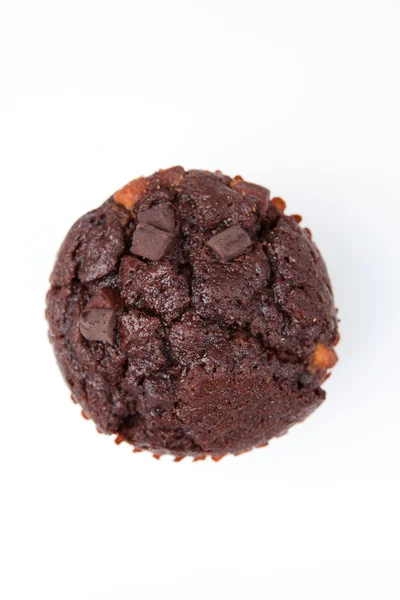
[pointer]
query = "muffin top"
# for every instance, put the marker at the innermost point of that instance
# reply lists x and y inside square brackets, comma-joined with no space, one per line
[190,315]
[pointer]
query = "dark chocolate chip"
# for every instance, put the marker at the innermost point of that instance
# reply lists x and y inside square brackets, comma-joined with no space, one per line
[160,216]
[231,243]
[150,242]
[98,324]
[105,298]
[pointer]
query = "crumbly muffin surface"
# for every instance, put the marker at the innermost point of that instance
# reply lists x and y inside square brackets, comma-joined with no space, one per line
[191,316]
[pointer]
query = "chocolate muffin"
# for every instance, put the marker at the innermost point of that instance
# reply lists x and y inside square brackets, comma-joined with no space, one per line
[190,316]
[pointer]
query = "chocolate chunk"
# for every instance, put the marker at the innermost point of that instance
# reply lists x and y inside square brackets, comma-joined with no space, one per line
[160,216]
[231,243]
[150,242]
[105,298]
[98,324]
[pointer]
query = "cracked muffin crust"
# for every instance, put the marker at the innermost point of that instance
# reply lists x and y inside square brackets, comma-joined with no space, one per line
[191,316]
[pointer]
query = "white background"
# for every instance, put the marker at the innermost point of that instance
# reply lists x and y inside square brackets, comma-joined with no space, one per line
[300,96]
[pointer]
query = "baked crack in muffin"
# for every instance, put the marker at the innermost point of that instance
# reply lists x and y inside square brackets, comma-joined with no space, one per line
[189,315]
